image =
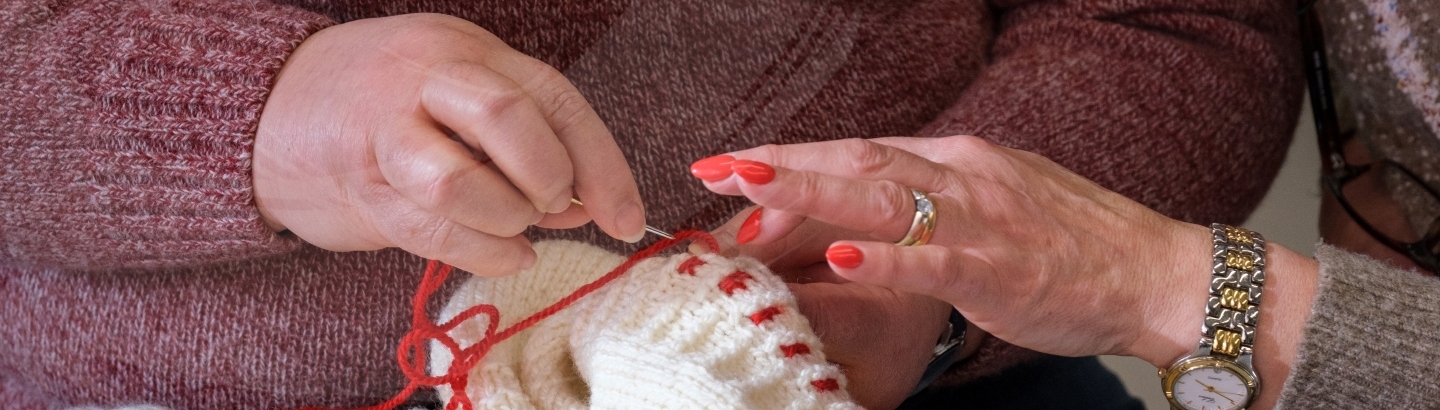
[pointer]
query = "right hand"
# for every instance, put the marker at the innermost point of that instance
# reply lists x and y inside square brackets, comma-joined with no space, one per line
[428,133]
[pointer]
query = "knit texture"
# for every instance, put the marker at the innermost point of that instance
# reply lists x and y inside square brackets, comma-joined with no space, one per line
[1371,333]
[674,332]
[1383,56]
[129,126]
[134,268]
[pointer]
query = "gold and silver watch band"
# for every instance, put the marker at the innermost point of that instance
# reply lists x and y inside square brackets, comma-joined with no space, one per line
[1236,284]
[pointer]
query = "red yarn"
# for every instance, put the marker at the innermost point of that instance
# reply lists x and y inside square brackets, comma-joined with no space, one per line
[411,354]
[765,314]
[826,385]
[791,350]
[735,282]
[688,266]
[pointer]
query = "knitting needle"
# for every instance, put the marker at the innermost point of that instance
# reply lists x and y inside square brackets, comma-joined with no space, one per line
[648,228]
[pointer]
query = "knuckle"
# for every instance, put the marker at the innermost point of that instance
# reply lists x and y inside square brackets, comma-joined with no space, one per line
[440,188]
[867,158]
[566,107]
[766,153]
[426,237]
[438,237]
[499,100]
[424,32]
[943,278]
[895,203]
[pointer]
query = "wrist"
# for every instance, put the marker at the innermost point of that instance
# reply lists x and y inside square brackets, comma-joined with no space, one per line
[1175,301]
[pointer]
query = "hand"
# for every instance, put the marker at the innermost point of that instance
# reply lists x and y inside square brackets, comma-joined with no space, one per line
[1027,250]
[428,133]
[883,339]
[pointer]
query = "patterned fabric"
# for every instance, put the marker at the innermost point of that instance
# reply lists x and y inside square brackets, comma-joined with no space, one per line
[1383,55]
[134,267]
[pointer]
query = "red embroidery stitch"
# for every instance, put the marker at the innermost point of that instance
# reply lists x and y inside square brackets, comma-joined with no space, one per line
[689,265]
[825,385]
[765,314]
[795,349]
[735,281]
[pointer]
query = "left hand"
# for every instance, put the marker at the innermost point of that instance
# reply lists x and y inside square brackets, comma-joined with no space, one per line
[1027,250]
[881,338]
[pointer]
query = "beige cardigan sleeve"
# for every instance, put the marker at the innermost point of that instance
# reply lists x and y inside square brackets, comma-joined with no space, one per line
[1373,339]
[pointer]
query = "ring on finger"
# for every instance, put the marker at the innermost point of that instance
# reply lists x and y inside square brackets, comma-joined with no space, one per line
[923,225]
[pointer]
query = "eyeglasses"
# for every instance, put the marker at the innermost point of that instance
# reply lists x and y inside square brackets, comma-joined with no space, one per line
[1425,252]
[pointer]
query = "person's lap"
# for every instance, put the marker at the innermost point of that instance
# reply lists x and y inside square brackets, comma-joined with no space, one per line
[1051,382]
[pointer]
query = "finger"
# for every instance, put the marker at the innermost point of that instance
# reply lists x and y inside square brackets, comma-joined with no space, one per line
[930,270]
[813,273]
[432,236]
[757,226]
[603,180]
[785,241]
[441,176]
[571,218]
[853,158]
[882,209]
[491,112]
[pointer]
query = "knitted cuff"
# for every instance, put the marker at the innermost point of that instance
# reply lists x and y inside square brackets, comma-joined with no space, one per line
[1370,330]
[674,332]
[127,130]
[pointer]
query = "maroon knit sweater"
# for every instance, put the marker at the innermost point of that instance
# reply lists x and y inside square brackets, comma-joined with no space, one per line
[134,267]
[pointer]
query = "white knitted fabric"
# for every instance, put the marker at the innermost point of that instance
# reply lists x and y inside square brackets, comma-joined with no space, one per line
[679,332]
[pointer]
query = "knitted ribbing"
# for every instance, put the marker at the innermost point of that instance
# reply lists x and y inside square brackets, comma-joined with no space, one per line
[130,125]
[1370,340]
[674,332]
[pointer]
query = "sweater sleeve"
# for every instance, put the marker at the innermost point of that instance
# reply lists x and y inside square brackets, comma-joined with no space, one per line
[126,129]
[1185,106]
[1370,340]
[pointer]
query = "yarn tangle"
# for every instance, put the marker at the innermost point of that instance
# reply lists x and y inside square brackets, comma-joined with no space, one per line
[411,353]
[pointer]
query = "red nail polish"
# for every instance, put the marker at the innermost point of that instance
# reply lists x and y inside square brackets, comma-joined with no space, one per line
[844,256]
[712,169]
[753,172]
[750,229]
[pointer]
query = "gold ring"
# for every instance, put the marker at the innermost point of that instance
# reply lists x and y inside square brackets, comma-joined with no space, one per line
[923,226]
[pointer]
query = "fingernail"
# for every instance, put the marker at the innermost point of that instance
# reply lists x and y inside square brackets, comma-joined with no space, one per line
[753,172]
[696,248]
[844,256]
[631,219]
[750,229]
[712,169]
[527,261]
[558,205]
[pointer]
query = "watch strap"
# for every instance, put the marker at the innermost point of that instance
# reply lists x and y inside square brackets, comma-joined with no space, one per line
[947,351]
[1236,286]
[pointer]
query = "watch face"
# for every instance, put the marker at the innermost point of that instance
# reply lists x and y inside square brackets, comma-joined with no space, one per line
[1211,388]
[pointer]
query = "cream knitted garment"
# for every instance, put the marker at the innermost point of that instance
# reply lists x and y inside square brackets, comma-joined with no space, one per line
[678,332]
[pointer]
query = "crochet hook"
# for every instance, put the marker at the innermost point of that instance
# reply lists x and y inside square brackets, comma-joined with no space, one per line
[648,228]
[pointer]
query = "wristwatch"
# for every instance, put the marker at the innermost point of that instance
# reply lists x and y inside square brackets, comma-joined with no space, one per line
[947,351]
[1219,375]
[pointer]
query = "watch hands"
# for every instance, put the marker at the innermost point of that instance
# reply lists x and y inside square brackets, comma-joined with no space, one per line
[1222,394]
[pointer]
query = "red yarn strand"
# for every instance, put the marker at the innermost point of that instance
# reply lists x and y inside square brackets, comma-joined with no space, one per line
[411,354]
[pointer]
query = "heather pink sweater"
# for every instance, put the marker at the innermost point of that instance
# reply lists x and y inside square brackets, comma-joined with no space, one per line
[134,266]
